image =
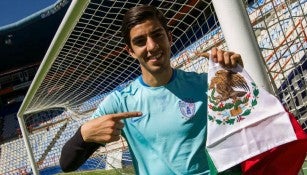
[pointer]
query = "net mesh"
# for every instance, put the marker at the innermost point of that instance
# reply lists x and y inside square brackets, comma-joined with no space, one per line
[92,63]
[93,60]
[280,27]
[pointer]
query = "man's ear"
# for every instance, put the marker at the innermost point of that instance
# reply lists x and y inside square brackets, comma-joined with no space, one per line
[130,51]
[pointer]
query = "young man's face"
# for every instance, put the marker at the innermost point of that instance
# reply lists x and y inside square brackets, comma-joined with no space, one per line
[151,45]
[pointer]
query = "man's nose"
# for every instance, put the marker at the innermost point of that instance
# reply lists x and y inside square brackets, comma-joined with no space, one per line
[151,44]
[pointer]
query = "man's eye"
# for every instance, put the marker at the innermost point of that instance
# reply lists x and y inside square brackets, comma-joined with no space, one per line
[140,42]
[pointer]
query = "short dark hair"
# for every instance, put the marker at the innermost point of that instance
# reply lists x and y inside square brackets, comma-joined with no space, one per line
[139,14]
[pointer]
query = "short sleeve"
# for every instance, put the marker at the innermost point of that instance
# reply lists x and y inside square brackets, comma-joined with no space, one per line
[110,105]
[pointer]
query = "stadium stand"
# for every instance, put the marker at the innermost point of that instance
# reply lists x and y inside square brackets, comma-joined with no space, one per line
[16,73]
[51,129]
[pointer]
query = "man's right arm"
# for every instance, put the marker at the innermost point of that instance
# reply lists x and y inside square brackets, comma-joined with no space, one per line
[90,136]
[76,151]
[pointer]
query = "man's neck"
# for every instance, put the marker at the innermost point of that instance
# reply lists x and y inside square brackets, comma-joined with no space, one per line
[159,79]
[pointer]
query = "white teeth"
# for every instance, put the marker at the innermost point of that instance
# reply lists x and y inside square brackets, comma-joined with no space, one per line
[156,56]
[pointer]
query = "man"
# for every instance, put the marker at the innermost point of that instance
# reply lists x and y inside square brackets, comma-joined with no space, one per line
[162,113]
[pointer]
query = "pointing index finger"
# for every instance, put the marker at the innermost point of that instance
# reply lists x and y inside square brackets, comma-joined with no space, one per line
[125,115]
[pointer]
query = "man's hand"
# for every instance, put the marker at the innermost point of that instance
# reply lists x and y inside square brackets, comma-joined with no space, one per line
[226,59]
[107,128]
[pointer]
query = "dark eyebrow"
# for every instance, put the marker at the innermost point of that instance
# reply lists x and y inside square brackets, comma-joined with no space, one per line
[157,31]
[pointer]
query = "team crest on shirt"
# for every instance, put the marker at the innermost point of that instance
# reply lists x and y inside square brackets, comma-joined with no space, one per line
[187,108]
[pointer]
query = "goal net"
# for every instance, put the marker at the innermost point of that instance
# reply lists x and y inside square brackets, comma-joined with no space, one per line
[87,60]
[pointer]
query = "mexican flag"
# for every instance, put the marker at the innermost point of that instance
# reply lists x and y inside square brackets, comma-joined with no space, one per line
[249,131]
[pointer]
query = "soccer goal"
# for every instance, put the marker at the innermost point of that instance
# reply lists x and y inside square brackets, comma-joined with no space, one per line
[87,60]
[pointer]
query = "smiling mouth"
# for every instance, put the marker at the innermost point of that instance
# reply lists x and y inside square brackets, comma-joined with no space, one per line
[155,57]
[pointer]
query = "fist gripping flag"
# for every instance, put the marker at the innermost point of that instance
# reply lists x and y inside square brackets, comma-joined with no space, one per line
[249,127]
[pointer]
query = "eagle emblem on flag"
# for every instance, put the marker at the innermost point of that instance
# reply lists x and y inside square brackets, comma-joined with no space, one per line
[231,98]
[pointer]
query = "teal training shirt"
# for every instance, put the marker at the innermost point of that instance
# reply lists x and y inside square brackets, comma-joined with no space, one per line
[169,138]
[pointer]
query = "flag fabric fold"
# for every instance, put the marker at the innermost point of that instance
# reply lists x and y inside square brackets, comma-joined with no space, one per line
[286,159]
[244,121]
